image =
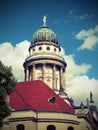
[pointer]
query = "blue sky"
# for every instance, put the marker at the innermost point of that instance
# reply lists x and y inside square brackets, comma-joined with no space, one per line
[21,18]
[74,21]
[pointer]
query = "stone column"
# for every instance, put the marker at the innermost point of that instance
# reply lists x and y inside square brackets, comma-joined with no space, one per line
[30,72]
[27,74]
[64,79]
[34,73]
[43,72]
[61,77]
[54,77]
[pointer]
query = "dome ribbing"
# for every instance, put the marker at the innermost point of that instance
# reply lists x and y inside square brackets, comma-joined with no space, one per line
[45,34]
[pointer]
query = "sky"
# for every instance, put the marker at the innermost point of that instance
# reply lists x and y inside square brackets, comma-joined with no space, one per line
[75,23]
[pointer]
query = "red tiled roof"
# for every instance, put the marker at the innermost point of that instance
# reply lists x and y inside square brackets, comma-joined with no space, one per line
[35,95]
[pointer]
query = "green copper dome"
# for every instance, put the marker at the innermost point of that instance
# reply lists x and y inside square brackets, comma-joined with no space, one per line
[45,34]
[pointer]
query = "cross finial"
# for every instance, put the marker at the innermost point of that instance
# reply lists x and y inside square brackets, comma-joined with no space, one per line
[44,20]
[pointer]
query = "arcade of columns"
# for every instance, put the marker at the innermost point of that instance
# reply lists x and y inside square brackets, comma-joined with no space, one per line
[30,74]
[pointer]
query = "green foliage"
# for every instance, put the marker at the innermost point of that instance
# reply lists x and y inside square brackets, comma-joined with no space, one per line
[7,85]
[7,80]
[5,110]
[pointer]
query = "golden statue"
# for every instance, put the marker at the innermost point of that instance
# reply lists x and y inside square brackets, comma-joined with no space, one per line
[44,20]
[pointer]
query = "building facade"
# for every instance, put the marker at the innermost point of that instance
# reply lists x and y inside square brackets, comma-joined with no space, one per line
[41,102]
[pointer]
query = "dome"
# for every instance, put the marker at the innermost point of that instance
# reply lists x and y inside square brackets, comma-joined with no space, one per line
[45,34]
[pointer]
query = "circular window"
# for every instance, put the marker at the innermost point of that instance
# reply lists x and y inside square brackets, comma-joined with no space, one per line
[48,48]
[40,48]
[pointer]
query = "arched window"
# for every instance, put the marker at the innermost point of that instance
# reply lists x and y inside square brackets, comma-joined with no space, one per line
[51,127]
[20,127]
[70,128]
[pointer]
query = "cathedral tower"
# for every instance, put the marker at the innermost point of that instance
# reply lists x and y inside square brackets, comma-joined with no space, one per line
[45,61]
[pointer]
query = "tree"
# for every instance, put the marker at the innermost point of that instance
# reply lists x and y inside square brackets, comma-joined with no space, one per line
[7,85]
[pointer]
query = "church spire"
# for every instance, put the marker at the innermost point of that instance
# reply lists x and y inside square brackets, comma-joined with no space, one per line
[91,98]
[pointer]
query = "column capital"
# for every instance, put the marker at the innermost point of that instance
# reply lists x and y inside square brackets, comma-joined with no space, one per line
[44,64]
[34,65]
[54,65]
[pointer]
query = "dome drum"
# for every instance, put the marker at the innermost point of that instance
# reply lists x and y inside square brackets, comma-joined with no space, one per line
[39,48]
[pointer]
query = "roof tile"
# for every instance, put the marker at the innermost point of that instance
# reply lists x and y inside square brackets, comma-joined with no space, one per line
[35,95]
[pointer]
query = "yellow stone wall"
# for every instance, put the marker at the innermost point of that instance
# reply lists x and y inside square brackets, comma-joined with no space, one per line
[29,125]
[60,120]
[23,114]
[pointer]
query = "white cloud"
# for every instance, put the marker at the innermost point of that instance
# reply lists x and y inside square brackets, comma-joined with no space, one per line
[74,68]
[15,56]
[71,12]
[89,37]
[89,43]
[96,29]
[79,88]
[86,16]
[78,84]
[83,34]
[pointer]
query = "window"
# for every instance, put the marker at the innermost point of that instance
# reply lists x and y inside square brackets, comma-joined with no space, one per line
[70,128]
[40,48]
[20,127]
[51,127]
[48,48]
[52,99]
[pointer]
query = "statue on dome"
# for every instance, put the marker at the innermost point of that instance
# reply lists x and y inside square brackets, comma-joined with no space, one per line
[44,20]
